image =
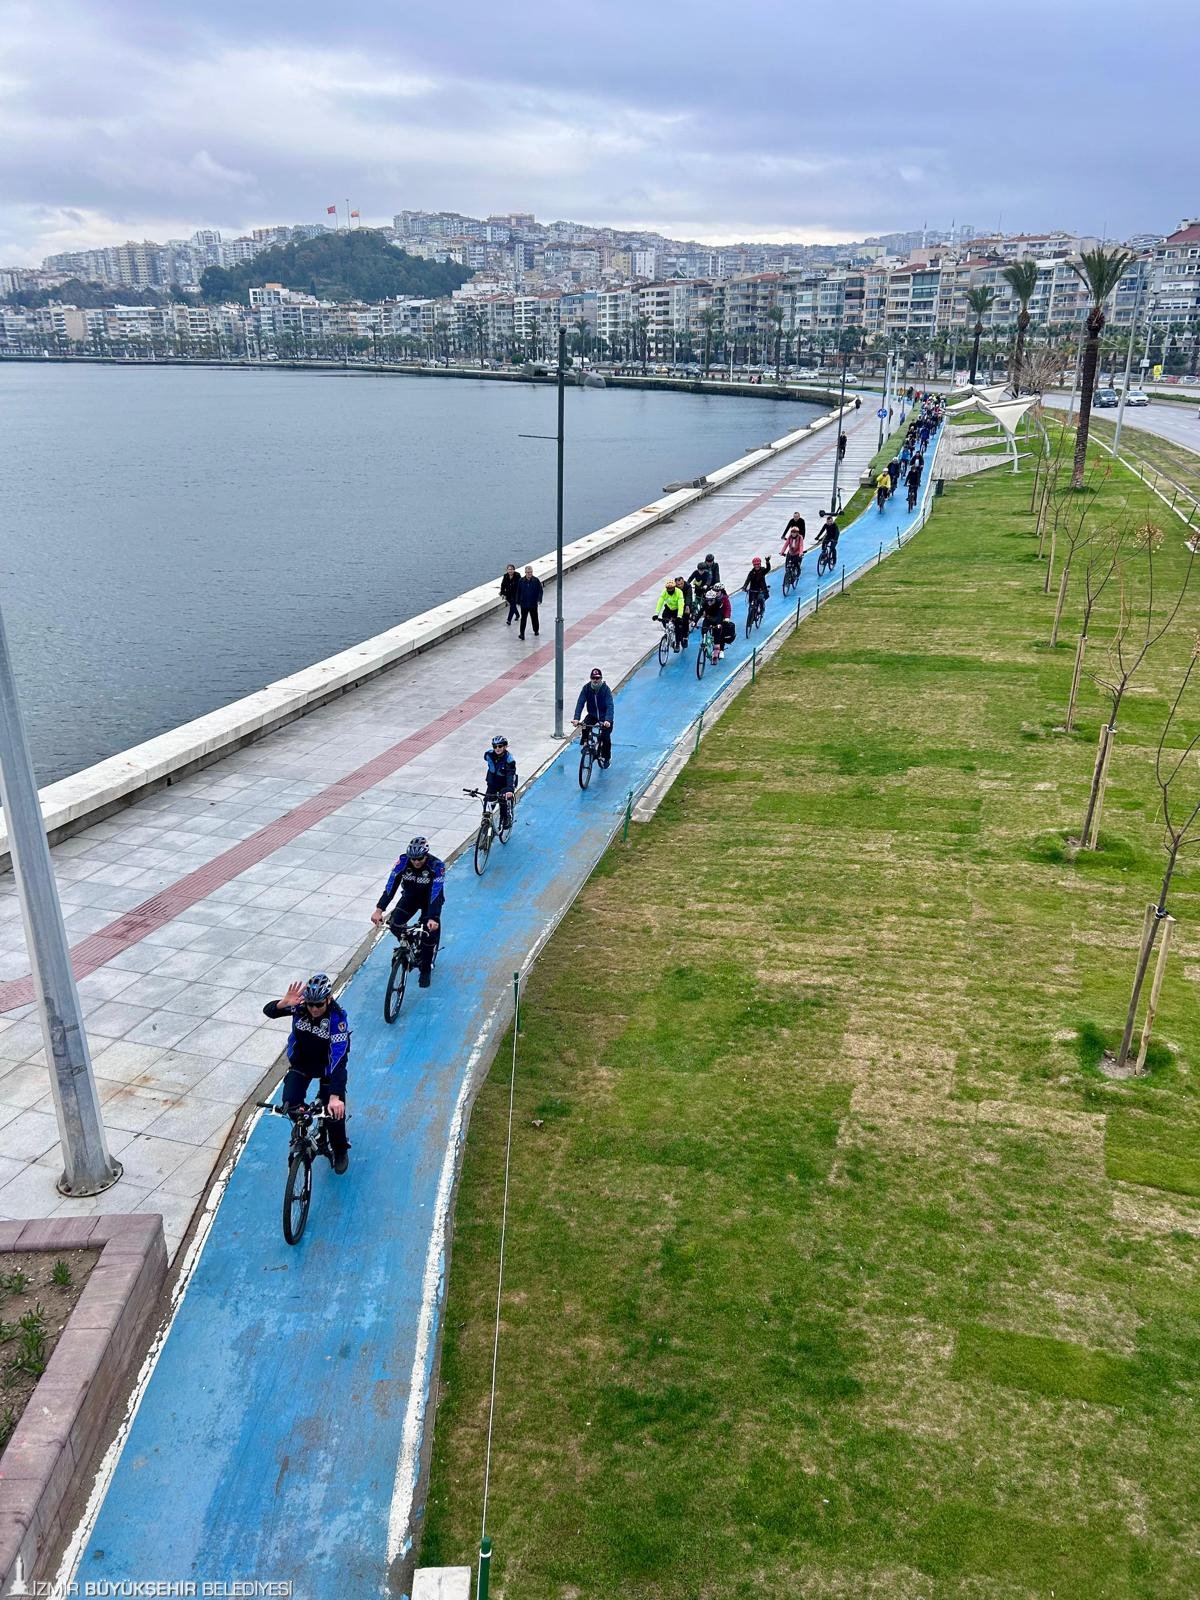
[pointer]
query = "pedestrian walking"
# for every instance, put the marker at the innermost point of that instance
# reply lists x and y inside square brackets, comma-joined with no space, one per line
[529,598]
[843,441]
[508,591]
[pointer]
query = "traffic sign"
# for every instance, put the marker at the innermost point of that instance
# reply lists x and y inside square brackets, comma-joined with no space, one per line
[882,412]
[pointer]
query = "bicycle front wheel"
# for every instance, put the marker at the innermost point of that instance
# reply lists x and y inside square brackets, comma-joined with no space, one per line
[393,998]
[789,583]
[297,1194]
[483,844]
[587,757]
[664,649]
[701,658]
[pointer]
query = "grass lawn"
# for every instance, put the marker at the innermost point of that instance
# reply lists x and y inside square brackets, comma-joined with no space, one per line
[836,1268]
[1175,460]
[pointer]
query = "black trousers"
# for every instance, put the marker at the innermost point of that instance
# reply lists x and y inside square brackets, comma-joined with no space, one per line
[402,912]
[295,1093]
[495,792]
[529,614]
[605,740]
[513,608]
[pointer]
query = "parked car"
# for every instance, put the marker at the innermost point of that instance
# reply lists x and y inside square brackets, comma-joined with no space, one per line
[1137,397]
[1105,397]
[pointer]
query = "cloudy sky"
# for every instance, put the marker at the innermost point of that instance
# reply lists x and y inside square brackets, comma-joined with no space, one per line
[716,121]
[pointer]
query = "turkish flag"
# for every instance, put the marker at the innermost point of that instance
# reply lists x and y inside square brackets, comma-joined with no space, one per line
[331,211]
[354,213]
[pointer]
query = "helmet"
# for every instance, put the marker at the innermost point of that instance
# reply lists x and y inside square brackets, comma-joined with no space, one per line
[710,594]
[498,741]
[318,989]
[595,675]
[418,847]
[757,562]
[720,588]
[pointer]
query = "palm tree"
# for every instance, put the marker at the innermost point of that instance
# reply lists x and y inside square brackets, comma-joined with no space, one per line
[640,329]
[775,318]
[980,302]
[1022,279]
[582,327]
[1101,270]
[708,320]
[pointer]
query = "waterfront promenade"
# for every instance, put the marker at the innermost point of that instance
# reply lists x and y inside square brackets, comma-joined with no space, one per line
[293,1383]
[192,906]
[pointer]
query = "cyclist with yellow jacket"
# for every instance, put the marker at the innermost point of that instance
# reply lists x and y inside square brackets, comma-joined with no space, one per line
[671,606]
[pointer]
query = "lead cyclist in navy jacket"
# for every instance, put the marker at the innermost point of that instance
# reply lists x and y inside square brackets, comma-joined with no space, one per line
[421,880]
[595,704]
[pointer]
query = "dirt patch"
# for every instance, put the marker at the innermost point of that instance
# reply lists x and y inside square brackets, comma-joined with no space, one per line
[39,1289]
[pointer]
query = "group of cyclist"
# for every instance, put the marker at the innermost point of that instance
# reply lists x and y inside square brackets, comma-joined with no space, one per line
[909,461]
[318,1047]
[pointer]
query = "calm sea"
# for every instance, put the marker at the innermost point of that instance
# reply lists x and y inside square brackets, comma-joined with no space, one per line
[173,538]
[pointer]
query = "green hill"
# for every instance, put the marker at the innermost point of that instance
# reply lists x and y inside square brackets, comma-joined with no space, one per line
[361,265]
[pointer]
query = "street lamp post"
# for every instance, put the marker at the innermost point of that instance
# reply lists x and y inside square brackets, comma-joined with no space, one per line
[87,1166]
[883,405]
[837,455]
[558,547]
[1116,444]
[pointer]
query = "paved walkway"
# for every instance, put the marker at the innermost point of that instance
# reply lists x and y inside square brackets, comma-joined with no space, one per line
[280,1434]
[191,907]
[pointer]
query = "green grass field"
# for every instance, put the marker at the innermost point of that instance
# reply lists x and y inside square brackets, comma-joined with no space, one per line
[836,1267]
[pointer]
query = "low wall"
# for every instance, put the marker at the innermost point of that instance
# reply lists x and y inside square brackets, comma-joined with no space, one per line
[88,796]
[58,1439]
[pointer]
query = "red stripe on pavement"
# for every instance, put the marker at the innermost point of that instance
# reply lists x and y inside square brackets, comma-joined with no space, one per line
[133,925]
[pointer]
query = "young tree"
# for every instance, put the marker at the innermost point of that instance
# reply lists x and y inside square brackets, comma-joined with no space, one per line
[1101,270]
[1130,646]
[1105,551]
[1180,809]
[1022,279]
[979,301]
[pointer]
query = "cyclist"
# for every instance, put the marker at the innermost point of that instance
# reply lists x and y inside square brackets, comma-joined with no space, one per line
[421,880]
[595,705]
[913,482]
[883,488]
[671,607]
[318,1047]
[500,772]
[828,536]
[689,601]
[792,548]
[715,616]
[893,471]
[707,573]
[756,580]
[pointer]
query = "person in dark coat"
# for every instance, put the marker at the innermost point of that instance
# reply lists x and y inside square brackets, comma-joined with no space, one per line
[529,598]
[508,591]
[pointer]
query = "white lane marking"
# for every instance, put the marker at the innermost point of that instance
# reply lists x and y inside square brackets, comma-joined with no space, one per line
[408,1463]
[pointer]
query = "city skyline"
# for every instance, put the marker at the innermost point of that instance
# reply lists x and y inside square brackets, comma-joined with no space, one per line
[124,121]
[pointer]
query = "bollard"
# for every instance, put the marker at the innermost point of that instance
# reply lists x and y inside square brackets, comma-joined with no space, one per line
[754,664]
[817,600]
[799,602]
[843,590]
[897,538]
[485,1567]
[628,816]
[699,731]
[879,557]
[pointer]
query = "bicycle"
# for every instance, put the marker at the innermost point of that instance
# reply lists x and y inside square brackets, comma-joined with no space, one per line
[791,573]
[756,604]
[881,498]
[589,752]
[827,560]
[410,941]
[306,1145]
[492,825]
[668,642]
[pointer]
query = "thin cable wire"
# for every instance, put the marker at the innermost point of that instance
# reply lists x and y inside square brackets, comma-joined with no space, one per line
[512,1085]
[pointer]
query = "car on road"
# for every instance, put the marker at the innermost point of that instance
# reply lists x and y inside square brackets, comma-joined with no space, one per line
[1137,397]
[1105,397]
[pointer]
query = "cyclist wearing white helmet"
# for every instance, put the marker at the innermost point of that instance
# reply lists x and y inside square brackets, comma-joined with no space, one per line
[318,1047]
[501,775]
[421,880]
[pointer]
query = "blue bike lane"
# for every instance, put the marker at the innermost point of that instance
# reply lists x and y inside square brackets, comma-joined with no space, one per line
[280,1434]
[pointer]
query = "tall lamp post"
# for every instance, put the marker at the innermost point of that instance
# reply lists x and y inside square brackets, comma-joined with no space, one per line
[87,1166]
[1116,444]
[837,455]
[558,544]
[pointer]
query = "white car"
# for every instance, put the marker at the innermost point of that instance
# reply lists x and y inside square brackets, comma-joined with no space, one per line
[1137,397]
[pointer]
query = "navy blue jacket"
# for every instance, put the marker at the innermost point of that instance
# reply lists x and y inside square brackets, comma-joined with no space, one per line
[501,773]
[597,698]
[529,592]
[333,1071]
[425,883]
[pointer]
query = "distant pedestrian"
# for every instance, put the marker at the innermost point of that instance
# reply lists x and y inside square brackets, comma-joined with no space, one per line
[529,598]
[843,441]
[508,591]
[858,402]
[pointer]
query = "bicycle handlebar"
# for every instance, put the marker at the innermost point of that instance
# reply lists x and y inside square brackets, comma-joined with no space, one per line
[312,1107]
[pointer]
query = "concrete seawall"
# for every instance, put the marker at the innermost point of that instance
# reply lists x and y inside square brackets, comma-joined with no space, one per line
[99,790]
